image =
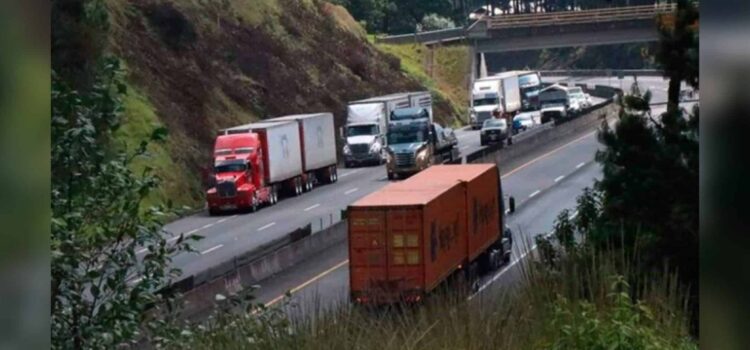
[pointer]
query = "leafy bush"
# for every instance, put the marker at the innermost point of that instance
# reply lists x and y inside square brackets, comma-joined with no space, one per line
[101,289]
[435,22]
[625,325]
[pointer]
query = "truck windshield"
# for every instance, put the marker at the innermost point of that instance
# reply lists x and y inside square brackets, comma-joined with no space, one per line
[406,135]
[486,101]
[230,167]
[359,130]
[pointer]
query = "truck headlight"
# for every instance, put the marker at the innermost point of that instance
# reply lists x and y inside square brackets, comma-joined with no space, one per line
[473,116]
[421,155]
[347,151]
[375,148]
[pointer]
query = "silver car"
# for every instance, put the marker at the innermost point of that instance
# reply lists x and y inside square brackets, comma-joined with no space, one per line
[493,130]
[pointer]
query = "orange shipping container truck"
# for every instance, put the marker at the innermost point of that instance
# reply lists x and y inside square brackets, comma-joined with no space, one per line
[410,236]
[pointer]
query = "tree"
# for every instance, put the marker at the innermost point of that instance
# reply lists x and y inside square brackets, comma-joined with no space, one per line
[103,293]
[435,22]
[678,51]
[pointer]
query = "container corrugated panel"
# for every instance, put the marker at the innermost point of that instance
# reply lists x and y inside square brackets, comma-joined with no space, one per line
[281,149]
[481,183]
[418,231]
[318,139]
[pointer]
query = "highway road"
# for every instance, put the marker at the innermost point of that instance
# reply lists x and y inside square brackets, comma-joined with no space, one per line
[234,234]
[543,186]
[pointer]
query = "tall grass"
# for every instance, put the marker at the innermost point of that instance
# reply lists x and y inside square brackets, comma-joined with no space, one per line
[590,300]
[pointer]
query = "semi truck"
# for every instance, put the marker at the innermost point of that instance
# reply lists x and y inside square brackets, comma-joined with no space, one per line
[410,237]
[504,95]
[255,164]
[555,103]
[415,142]
[367,125]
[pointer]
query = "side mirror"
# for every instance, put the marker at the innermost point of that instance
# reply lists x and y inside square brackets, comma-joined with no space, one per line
[512,204]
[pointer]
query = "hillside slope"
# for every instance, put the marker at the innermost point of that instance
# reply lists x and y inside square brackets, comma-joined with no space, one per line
[196,66]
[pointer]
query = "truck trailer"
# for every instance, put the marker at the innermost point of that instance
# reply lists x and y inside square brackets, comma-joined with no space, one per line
[318,140]
[256,163]
[409,237]
[367,125]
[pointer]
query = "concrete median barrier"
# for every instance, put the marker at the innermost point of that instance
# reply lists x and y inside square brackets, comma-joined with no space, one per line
[237,275]
[233,277]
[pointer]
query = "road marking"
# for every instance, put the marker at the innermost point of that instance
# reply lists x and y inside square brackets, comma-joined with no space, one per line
[206,226]
[505,269]
[349,173]
[352,190]
[312,207]
[222,220]
[211,249]
[547,154]
[557,179]
[308,282]
[337,266]
[580,165]
[534,193]
[266,226]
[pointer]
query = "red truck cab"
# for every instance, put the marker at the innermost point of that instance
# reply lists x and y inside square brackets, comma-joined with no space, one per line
[238,174]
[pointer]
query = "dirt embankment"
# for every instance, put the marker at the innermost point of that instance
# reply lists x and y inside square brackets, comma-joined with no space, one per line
[202,67]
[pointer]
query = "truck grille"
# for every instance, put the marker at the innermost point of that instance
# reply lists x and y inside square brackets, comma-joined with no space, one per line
[482,116]
[404,159]
[226,189]
[360,148]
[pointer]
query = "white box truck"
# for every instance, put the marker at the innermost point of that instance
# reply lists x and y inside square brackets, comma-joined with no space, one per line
[318,138]
[367,124]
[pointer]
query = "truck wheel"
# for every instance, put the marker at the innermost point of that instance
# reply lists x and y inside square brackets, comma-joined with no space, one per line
[254,203]
[297,186]
[335,174]
[391,176]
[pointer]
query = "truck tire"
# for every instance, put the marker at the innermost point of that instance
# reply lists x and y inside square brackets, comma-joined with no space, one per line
[254,203]
[391,176]
[297,186]
[335,174]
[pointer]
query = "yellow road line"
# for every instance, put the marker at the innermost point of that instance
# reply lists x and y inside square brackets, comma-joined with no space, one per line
[308,282]
[335,267]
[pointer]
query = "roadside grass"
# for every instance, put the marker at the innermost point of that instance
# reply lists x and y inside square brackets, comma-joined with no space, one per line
[593,301]
[139,121]
[447,78]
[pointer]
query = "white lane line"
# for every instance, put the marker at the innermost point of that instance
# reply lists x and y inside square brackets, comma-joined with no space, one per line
[266,226]
[557,179]
[534,193]
[580,165]
[505,269]
[349,173]
[312,207]
[206,226]
[352,190]
[211,249]
[222,220]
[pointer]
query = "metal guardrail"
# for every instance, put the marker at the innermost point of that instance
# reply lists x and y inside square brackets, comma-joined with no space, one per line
[424,37]
[578,17]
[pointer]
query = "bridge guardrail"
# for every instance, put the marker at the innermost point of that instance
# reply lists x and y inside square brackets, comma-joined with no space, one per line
[424,37]
[575,17]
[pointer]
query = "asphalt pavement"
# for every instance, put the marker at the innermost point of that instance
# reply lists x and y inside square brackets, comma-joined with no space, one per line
[236,233]
[543,186]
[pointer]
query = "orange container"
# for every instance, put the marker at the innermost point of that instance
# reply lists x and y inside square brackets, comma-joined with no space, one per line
[483,200]
[408,237]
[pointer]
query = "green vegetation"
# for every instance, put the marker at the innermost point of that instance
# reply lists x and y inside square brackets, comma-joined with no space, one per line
[139,119]
[587,303]
[444,70]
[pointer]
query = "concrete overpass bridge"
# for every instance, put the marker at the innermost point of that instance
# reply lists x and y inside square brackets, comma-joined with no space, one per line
[617,25]
[516,32]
